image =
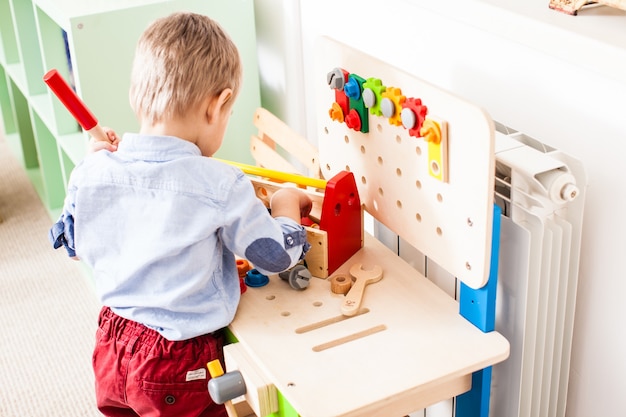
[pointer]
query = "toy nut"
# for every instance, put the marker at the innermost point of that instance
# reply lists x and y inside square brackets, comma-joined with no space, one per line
[352,89]
[243,267]
[340,284]
[256,279]
[336,113]
[353,120]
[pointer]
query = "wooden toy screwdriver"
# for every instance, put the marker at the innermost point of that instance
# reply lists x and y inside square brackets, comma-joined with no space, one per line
[74,104]
[278,175]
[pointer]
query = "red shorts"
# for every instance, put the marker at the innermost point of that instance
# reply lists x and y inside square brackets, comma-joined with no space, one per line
[140,373]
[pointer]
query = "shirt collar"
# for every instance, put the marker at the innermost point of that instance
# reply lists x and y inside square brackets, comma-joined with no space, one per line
[156,148]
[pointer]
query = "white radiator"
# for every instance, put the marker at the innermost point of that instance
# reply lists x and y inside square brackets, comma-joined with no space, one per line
[541,193]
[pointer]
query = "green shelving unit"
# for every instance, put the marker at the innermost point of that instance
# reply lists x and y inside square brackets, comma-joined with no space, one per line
[91,43]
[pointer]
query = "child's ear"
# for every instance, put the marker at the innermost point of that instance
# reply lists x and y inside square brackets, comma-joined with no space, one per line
[225,97]
[219,103]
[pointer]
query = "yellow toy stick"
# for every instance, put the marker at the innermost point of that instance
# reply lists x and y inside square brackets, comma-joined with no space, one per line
[277,175]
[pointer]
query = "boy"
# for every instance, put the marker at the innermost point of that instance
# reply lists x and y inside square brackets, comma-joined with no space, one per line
[160,223]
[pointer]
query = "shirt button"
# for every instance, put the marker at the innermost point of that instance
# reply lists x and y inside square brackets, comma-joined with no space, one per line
[170,399]
[290,240]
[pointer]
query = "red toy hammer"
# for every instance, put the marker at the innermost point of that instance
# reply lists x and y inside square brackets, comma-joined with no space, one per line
[74,104]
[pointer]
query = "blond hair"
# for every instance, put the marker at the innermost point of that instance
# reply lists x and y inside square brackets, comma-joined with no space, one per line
[181,60]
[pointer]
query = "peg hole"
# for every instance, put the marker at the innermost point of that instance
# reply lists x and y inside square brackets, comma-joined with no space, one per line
[434,167]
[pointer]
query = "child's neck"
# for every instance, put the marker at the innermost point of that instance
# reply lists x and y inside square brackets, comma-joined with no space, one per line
[183,129]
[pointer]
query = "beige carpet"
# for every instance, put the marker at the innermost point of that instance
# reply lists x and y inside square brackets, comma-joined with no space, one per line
[48,311]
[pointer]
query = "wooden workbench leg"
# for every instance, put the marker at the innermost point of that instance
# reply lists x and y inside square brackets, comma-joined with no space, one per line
[479,307]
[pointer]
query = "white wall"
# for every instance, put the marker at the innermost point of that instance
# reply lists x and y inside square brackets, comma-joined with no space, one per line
[560,79]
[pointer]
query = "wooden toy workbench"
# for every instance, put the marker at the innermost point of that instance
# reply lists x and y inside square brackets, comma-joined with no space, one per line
[408,346]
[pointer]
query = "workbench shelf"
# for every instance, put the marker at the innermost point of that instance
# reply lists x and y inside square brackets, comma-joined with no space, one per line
[91,44]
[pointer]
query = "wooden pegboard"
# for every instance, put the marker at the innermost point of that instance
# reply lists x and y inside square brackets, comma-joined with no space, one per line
[448,220]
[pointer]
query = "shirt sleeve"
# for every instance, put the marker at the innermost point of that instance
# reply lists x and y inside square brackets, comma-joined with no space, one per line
[272,245]
[62,232]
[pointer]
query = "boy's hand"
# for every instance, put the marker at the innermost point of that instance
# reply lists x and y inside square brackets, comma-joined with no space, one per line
[110,145]
[292,203]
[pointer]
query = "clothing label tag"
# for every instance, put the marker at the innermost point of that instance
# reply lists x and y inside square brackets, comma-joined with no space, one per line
[197,374]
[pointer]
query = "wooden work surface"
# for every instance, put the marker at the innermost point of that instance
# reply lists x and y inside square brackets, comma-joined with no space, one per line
[414,348]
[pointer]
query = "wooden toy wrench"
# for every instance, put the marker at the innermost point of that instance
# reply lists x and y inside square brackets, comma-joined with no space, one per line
[354,297]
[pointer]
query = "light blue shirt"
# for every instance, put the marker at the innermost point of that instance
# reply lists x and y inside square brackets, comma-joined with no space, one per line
[160,226]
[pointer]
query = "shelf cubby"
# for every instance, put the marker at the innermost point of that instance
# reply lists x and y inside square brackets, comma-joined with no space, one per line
[49,162]
[28,45]
[92,44]
[8,42]
[23,126]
